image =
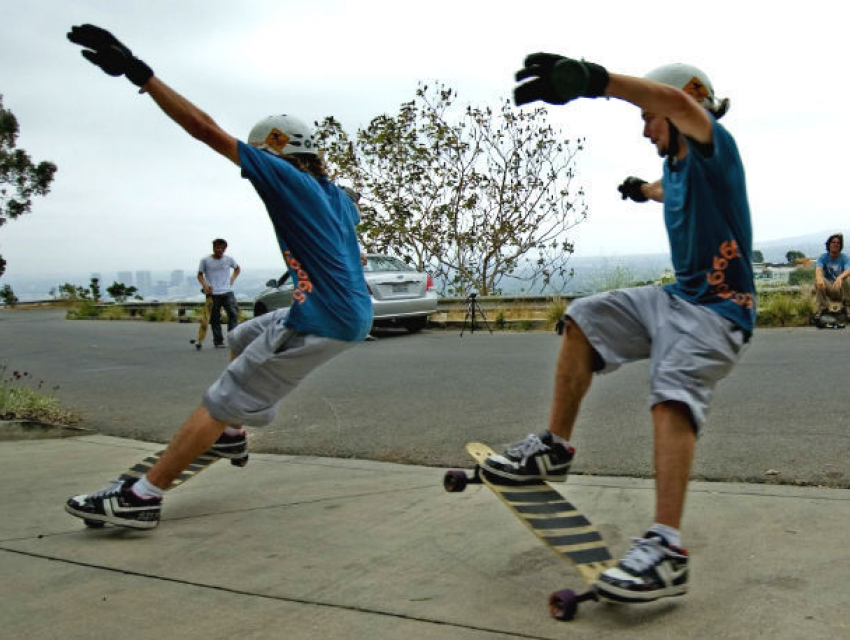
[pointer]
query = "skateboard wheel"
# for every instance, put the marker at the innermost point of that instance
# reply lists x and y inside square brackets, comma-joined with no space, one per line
[563,605]
[239,462]
[94,524]
[455,481]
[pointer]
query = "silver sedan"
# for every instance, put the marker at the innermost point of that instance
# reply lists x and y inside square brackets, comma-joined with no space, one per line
[401,295]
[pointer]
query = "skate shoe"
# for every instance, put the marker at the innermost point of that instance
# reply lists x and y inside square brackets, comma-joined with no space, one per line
[231,447]
[534,458]
[118,505]
[650,570]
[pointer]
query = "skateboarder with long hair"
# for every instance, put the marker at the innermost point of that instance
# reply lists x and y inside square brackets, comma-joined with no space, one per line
[314,221]
[692,330]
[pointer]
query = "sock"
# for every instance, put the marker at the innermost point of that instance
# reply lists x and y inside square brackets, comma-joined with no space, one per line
[234,431]
[672,536]
[559,440]
[145,490]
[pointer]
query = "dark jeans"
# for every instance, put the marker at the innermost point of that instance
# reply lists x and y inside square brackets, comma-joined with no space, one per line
[227,301]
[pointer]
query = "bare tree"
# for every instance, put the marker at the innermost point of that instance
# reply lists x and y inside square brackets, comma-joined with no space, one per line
[473,194]
[20,179]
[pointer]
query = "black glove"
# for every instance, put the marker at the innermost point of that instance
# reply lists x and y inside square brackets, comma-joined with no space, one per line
[631,189]
[109,54]
[557,79]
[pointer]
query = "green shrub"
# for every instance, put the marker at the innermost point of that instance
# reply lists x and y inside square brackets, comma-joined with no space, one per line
[164,313]
[83,309]
[555,311]
[785,309]
[117,312]
[802,275]
[20,401]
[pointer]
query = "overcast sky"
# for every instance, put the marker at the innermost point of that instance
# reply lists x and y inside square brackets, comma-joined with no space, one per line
[135,192]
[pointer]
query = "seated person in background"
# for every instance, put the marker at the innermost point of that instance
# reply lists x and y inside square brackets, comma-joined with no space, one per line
[832,284]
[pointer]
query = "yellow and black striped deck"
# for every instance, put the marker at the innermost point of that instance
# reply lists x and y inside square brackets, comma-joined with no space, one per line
[551,518]
[141,468]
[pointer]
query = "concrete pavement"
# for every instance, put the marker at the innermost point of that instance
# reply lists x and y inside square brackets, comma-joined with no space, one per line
[300,547]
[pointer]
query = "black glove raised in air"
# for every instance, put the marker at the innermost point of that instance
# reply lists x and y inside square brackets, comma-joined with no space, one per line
[103,49]
[557,80]
[631,188]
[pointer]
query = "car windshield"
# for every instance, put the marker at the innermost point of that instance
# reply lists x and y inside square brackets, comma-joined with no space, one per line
[385,263]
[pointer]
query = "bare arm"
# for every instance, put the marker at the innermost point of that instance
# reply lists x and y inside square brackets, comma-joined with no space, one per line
[204,285]
[236,273]
[689,117]
[653,191]
[194,121]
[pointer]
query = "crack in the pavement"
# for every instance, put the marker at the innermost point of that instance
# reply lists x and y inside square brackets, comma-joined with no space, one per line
[288,599]
[281,505]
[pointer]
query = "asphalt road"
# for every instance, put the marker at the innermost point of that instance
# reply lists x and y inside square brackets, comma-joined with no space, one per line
[782,416]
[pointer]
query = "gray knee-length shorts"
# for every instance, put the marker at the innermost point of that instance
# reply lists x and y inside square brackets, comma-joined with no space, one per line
[271,361]
[690,347]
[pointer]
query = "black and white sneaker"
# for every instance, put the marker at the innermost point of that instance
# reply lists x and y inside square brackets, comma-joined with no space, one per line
[231,447]
[650,570]
[117,504]
[534,458]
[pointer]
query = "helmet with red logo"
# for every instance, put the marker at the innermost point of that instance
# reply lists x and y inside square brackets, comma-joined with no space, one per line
[692,81]
[283,135]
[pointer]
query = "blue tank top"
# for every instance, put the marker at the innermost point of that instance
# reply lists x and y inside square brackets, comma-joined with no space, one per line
[314,221]
[708,224]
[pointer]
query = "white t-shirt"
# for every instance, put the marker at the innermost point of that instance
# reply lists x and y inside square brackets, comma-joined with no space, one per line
[217,273]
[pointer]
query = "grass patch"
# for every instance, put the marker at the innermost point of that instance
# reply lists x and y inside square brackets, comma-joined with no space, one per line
[555,310]
[165,313]
[785,309]
[22,398]
[82,310]
[117,312]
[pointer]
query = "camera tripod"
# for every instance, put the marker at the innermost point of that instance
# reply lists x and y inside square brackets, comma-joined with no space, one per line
[472,308]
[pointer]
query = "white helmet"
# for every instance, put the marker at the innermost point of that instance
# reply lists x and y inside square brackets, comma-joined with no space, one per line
[283,135]
[692,81]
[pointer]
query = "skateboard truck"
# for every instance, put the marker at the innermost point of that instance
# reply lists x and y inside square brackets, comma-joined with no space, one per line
[563,604]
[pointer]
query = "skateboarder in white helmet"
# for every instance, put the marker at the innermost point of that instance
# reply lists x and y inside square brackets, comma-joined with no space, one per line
[692,331]
[314,221]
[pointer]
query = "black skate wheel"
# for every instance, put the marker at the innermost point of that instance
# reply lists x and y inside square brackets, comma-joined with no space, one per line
[94,524]
[239,462]
[563,605]
[455,480]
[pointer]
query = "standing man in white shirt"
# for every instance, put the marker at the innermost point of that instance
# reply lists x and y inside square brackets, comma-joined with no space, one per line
[214,274]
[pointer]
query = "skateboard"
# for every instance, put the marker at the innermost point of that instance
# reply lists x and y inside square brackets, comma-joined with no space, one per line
[203,461]
[554,520]
[829,319]
[204,322]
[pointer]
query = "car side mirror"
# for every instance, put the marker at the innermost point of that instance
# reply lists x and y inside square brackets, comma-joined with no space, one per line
[271,283]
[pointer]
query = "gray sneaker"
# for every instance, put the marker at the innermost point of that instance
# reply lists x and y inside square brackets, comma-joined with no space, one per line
[650,570]
[533,458]
[117,504]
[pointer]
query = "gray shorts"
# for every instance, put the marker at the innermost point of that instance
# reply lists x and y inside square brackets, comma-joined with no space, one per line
[691,348]
[271,360]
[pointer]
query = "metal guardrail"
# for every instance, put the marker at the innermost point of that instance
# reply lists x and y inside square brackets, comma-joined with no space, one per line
[447,304]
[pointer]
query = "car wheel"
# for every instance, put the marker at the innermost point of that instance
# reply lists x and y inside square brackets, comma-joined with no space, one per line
[415,325]
[259,309]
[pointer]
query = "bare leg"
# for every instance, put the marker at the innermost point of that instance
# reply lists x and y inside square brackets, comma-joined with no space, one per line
[675,442]
[195,437]
[573,375]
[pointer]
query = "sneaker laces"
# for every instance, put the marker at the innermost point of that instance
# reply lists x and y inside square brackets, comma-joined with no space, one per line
[109,491]
[645,553]
[526,448]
